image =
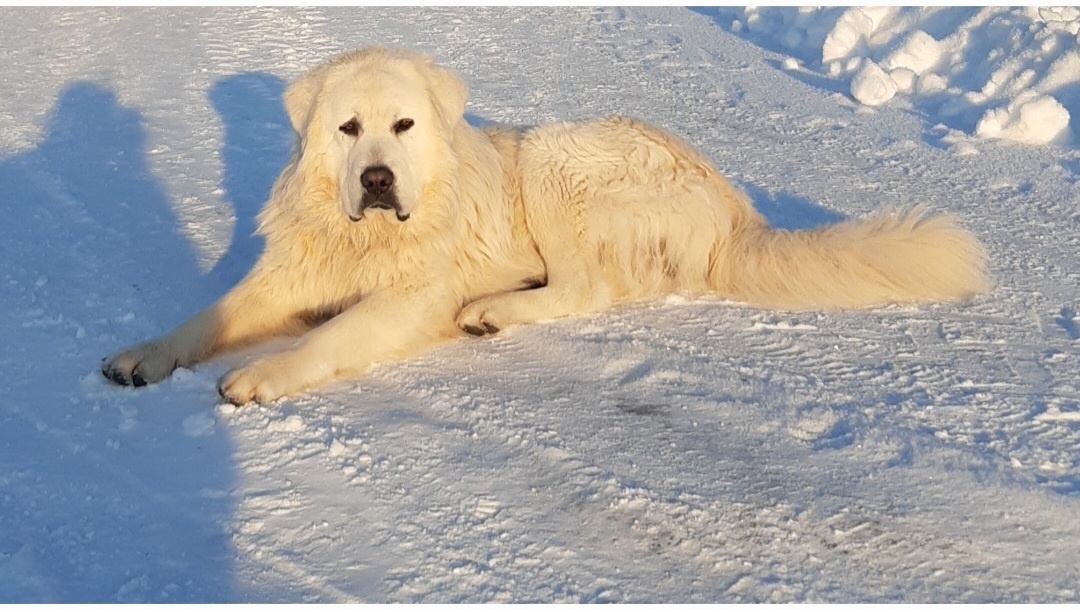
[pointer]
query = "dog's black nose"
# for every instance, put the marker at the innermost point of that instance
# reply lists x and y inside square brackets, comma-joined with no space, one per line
[377,179]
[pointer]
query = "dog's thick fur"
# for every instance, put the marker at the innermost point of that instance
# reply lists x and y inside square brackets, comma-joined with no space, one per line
[484,229]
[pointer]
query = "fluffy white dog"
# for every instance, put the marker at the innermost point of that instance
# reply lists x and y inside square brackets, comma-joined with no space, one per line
[397,225]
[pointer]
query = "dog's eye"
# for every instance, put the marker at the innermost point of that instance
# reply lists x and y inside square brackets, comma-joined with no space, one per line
[403,125]
[350,128]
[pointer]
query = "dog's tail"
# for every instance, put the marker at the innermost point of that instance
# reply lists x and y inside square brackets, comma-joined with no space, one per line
[893,257]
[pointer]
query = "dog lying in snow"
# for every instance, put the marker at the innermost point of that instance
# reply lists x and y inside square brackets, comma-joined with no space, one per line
[397,225]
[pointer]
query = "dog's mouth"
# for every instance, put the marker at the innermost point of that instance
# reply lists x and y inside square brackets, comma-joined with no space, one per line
[386,201]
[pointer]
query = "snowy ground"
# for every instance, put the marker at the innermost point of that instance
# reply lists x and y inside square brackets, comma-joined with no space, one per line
[668,451]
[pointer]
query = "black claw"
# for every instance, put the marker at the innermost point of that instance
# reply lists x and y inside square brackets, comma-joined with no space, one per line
[487,329]
[230,399]
[114,376]
[137,380]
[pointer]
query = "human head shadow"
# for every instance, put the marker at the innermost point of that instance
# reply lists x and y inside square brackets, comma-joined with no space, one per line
[119,503]
[789,211]
[87,187]
[258,141]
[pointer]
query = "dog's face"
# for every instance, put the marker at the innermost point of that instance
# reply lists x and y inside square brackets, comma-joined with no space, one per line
[383,135]
[381,123]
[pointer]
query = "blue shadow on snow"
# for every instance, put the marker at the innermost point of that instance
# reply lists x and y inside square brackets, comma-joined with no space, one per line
[788,211]
[258,141]
[107,494]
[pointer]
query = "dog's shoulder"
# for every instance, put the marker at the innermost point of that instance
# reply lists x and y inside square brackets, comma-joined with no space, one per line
[506,140]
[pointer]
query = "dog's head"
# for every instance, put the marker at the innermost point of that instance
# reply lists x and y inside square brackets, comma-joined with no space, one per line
[380,122]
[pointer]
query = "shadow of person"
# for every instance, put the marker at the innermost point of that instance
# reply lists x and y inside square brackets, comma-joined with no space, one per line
[117,495]
[258,142]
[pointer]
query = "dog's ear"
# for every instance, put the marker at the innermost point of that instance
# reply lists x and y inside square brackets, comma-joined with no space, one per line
[300,98]
[449,94]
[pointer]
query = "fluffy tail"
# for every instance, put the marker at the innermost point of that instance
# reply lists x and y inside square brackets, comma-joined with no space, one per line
[910,256]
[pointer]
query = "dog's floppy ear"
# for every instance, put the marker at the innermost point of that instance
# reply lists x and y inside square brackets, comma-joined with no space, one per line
[300,98]
[449,94]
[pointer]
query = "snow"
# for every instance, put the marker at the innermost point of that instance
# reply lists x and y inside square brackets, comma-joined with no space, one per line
[666,451]
[992,72]
[872,86]
[1031,121]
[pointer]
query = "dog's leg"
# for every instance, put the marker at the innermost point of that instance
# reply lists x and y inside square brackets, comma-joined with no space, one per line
[387,325]
[554,210]
[246,314]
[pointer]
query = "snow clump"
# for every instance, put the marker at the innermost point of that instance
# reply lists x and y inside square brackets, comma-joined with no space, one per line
[992,73]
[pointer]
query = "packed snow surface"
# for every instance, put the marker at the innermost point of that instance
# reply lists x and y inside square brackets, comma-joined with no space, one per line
[665,451]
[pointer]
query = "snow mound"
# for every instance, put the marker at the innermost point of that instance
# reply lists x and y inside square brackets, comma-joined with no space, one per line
[872,86]
[1032,122]
[993,73]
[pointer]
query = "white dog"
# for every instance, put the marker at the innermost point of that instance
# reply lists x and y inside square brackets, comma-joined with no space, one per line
[397,226]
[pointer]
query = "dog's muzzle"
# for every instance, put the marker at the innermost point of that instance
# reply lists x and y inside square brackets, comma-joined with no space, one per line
[379,194]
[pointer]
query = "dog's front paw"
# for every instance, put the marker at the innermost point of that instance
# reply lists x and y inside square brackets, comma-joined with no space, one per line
[141,364]
[261,381]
